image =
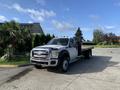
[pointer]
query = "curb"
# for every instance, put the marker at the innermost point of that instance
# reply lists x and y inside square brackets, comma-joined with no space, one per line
[13,66]
[6,66]
[23,65]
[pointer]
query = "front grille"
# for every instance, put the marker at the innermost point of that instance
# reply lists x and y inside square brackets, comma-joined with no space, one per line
[40,58]
[40,54]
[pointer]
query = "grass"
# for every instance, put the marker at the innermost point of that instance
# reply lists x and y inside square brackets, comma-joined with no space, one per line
[107,46]
[103,46]
[15,61]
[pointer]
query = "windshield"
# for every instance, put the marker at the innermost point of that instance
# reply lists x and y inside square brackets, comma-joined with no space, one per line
[60,41]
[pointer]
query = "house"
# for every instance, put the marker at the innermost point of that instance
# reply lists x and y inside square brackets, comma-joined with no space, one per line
[118,38]
[35,28]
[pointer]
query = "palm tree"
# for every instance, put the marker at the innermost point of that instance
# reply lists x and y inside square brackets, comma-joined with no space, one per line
[10,34]
[15,38]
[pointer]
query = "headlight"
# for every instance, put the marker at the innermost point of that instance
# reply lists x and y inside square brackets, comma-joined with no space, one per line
[31,53]
[54,54]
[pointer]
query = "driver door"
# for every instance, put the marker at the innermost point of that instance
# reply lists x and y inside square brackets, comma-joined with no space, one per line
[72,50]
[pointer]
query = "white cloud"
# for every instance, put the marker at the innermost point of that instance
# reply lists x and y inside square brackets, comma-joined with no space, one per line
[62,25]
[94,17]
[30,21]
[18,7]
[3,18]
[16,19]
[36,15]
[86,29]
[110,27]
[41,2]
[65,26]
[117,4]
[67,9]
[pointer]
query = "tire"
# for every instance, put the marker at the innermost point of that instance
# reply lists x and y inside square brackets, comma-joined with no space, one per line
[64,65]
[38,66]
[88,54]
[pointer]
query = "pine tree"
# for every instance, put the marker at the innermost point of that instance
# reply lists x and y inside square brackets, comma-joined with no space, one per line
[78,37]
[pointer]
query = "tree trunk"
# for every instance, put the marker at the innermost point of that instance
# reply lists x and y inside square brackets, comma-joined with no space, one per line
[79,48]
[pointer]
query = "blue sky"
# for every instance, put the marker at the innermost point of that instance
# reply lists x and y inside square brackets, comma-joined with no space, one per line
[63,17]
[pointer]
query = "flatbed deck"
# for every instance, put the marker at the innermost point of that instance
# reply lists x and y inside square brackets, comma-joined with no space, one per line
[85,48]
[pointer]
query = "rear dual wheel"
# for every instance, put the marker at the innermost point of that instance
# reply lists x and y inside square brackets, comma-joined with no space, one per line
[88,54]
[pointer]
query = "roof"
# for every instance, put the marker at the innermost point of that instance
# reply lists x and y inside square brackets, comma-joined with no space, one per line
[33,27]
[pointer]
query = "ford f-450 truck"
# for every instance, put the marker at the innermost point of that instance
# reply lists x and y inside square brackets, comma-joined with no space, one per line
[59,52]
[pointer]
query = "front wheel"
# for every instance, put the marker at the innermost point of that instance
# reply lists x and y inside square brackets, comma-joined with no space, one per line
[64,65]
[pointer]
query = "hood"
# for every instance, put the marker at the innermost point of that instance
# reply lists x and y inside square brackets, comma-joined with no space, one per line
[49,47]
[53,46]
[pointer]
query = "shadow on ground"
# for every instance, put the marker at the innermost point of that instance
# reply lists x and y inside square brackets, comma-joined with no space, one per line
[19,75]
[94,64]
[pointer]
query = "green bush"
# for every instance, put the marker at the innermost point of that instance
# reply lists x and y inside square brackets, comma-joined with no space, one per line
[42,39]
[107,46]
[37,40]
[1,51]
[104,43]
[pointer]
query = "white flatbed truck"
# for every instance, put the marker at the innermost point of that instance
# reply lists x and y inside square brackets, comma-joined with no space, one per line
[59,52]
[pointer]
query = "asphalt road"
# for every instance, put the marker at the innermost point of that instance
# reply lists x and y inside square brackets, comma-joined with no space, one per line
[101,72]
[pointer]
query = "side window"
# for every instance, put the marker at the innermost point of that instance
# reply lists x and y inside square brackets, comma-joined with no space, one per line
[72,43]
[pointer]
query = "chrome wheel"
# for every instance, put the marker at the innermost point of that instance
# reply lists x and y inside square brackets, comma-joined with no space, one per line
[65,65]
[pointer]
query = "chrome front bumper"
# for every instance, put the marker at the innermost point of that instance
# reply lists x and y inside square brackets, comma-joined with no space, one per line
[44,63]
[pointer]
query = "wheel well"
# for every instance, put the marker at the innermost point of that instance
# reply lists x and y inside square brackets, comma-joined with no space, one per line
[63,53]
[61,56]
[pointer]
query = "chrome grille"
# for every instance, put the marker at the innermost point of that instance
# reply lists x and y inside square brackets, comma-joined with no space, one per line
[40,54]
